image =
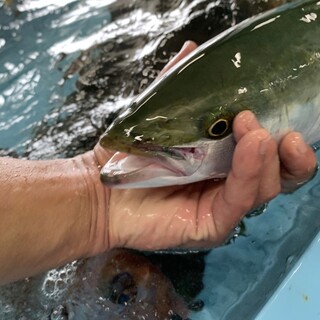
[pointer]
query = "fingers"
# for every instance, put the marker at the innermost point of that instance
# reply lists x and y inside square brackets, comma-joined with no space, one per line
[186,49]
[244,122]
[270,176]
[298,161]
[260,168]
[254,178]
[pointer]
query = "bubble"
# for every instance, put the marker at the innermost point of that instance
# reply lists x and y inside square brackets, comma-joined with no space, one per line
[49,286]
[57,281]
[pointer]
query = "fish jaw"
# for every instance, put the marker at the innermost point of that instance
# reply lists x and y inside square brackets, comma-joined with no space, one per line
[132,171]
[206,161]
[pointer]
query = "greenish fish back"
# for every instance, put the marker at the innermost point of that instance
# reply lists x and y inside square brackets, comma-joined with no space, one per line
[268,64]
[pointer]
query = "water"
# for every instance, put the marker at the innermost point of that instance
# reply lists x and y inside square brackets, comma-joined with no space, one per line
[67,68]
[34,39]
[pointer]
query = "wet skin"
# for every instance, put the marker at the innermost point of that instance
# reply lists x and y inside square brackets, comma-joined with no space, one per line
[39,231]
[202,214]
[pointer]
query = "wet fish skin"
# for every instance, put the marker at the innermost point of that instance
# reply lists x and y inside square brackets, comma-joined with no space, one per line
[269,64]
[123,284]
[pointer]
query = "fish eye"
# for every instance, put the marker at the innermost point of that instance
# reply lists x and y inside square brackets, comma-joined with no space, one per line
[218,128]
[123,299]
[218,125]
[123,289]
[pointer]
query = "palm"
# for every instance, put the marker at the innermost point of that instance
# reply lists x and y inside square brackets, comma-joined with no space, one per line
[162,217]
[199,214]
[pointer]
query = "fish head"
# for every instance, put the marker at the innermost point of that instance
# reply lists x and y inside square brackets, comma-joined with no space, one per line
[164,132]
[177,131]
[151,129]
[161,139]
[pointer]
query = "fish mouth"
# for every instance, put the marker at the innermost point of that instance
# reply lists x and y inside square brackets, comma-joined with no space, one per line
[167,164]
[147,149]
[176,152]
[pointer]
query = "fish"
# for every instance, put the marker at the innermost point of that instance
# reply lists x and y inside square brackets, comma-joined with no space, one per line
[123,284]
[141,287]
[179,130]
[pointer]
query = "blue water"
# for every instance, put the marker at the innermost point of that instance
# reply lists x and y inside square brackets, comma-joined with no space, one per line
[300,289]
[45,47]
[31,44]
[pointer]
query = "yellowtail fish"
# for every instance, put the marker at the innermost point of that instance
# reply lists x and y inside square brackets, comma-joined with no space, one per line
[123,284]
[180,129]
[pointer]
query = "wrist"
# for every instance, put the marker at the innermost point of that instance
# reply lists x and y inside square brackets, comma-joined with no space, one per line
[96,204]
[52,212]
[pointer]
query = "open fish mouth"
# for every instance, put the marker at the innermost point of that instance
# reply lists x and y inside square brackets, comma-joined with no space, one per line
[135,171]
[176,152]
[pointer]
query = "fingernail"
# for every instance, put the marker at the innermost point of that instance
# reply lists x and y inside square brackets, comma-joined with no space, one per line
[300,145]
[185,45]
[249,120]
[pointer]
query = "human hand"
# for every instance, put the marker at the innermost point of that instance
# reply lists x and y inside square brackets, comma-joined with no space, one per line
[55,211]
[204,213]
